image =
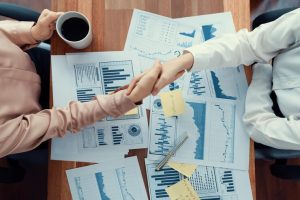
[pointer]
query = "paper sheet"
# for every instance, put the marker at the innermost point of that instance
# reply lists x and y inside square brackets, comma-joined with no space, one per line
[208,182]
[183,168]
[80,77]
[154,37]
[183,190]
[172,103]
[214,109]
[119,179]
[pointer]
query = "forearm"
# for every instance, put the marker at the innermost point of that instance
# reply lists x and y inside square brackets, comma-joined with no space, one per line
[28,131]
[260,121]
[259,45]
[18,32]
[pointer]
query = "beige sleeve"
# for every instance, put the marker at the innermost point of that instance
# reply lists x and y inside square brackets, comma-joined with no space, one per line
[18,32]
[28,131]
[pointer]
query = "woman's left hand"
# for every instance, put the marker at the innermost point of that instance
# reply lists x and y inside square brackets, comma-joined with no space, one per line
[45,25]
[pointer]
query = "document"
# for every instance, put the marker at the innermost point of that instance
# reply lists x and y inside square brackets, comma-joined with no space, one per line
[80,77]
[155,37]
[214,106]
[182,190]
[183,168]
[209,182]
[117,180]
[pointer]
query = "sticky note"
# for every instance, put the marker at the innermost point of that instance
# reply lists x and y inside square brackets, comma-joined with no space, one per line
[133,111]
[183,168]
[183,190]
[172,102]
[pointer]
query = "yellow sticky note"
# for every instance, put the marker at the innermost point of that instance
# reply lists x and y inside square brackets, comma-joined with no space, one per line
[183,190]
[133,111]
[172,102]
[183,168]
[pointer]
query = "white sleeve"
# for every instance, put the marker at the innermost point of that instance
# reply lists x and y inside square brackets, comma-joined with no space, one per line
[244,47]
[259,119]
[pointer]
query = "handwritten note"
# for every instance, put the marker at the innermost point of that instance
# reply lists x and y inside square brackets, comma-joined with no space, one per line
[173,103]
[183,190]
[183,168]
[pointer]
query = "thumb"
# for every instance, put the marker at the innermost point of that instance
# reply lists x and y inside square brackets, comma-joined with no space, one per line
[158,85]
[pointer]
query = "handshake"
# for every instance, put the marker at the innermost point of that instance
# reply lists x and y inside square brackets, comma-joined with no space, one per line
[154,79]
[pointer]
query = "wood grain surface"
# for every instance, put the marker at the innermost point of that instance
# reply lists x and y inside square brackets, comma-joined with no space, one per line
[110,21]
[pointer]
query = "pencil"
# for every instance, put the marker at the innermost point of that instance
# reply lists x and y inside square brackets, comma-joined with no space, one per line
[181,140]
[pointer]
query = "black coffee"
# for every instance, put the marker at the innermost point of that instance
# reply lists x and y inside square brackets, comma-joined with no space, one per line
[74,29]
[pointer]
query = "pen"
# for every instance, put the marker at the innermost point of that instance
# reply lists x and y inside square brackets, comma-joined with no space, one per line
[181,140]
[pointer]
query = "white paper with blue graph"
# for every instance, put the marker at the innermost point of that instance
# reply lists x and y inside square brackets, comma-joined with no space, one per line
[119,180]
[154,37]
[209,182]
[214,109]
[83,76]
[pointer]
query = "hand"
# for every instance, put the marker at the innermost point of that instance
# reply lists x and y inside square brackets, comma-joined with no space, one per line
[45,25]
[170,71]
[142,85]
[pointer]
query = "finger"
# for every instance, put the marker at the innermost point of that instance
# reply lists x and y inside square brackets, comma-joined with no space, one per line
[51,17]
[133,83]
[179,74]
[158,85]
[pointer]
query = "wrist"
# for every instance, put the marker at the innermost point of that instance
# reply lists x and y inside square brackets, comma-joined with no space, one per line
[34,33]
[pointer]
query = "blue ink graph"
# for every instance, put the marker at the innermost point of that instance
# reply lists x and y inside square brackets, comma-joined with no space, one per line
[173,86]
[197,85]
[101,186]
[101,140]
[191,34]
[134,130]
[126,134]
[117,135]
[160,180]
[208,31]
[164,134]
[199,120]
[227,181]
[115,74]
[204,181]
[85,95]
[121,174]
[79,188]
[153,54]
[227,120]
[86,75]
[218,90]
[185,44]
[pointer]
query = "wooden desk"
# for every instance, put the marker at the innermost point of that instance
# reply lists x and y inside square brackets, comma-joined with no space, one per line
[110,21]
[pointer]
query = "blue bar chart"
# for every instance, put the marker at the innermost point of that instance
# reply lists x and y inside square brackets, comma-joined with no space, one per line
[101,139]
[115,74]
[198,85]
[84,95]
[227,181]
[87,75]
[160,180]
[164,134]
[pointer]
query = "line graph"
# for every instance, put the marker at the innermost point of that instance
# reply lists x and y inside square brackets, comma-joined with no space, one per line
[101,186]
[163,134]
[121,174]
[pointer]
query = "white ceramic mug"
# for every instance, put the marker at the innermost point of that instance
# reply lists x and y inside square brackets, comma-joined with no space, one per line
[79,44]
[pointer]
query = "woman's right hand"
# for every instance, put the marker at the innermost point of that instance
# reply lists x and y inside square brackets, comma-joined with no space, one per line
[142,85]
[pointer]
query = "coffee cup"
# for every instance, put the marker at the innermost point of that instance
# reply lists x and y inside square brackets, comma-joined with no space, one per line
[75,29]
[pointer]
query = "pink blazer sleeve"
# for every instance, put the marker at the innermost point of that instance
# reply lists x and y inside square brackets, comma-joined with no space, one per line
[28,131]
[18,32]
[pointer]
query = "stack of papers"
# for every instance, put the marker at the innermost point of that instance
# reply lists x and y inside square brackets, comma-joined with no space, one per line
[211,164]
